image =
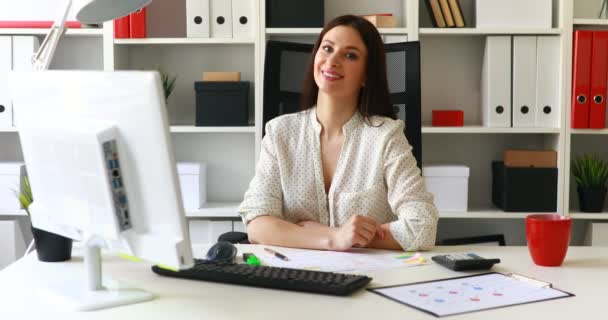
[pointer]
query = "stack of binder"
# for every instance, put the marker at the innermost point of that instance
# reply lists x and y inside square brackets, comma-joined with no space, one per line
[219,19]
[589,77]
[131,26]
[520,81]
[15,54]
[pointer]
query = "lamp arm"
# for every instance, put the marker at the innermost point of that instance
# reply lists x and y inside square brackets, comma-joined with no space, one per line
[42,59]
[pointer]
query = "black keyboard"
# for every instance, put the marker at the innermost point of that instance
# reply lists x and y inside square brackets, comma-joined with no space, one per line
[271,277]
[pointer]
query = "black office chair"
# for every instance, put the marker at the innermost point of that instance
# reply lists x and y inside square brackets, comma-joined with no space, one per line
[493,239]
[285,67]
[284,70]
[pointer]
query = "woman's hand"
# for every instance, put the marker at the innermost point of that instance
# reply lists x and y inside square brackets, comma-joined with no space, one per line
[358,231]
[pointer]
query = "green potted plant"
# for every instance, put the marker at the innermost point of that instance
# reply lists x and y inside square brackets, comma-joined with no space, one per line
[591,174]
[168,81]
[50,247]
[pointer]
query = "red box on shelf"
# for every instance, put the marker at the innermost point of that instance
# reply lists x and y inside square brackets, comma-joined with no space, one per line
[448,118]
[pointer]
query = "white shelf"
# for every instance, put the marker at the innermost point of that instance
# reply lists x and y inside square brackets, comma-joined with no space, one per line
[186,129]
[486,130]
[12,213]
[487,31]
[589,216]
[589,131]
[44,31]
[146,41]
[316,31]
[490,213]
[216,210]
[590,22]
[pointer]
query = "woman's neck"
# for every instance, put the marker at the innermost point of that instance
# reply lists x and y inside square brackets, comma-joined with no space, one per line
[333,113]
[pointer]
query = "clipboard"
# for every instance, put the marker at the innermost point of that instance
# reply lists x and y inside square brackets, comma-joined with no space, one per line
[460,295]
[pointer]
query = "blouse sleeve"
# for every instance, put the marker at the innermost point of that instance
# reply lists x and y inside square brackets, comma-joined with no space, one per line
[264,197]
[416,226]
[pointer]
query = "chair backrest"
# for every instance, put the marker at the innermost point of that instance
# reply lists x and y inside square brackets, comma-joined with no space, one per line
[285,66]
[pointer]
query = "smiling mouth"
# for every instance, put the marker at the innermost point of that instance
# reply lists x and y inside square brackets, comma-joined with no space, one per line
[331,76]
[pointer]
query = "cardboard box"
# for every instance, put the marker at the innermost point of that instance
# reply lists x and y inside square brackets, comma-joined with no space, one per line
[382,21]
[449,184]
[530,158]
[221,76]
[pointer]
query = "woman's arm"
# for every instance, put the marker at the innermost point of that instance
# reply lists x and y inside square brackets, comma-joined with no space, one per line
[416,224]
[276,231]
[358,231]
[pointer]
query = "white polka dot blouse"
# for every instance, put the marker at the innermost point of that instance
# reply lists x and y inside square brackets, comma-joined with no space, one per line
[376,176]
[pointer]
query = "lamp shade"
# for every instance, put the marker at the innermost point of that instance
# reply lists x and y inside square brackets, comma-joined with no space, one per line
[97,11]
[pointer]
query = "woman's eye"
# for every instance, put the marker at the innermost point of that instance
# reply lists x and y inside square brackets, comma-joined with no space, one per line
[352,56]
[327,49]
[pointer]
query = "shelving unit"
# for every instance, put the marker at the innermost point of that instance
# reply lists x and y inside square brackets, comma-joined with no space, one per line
[160,41]
[579,141]
[40,32]
[488,31]
[488,130]
[451,68]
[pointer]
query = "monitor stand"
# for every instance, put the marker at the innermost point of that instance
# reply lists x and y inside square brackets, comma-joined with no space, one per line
[80,294]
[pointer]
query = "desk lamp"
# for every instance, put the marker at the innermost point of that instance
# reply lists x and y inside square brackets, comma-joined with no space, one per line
[89,12]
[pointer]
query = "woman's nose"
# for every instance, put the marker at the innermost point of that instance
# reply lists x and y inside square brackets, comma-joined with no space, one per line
[333,60]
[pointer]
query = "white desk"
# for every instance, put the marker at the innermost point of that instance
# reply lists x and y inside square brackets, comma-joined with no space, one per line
[584,273]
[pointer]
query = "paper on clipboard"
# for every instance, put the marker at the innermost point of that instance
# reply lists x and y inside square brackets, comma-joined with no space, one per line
[471,293]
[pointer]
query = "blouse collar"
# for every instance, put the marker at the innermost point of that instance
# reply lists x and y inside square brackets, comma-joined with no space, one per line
[354,121]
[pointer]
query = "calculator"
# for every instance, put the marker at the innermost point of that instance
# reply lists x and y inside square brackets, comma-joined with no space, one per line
[464,261]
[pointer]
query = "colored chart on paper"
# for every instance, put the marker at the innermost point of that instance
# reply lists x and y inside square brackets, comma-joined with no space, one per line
[355,260]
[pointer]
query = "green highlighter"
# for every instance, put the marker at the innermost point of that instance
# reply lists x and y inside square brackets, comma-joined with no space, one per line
[251,259]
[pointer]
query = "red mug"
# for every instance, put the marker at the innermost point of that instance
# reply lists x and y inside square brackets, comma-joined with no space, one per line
[548,238]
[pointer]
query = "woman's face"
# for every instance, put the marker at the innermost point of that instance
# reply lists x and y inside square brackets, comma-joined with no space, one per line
[339,67]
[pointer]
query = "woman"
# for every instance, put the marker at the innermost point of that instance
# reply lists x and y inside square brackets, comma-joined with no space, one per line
[340,174]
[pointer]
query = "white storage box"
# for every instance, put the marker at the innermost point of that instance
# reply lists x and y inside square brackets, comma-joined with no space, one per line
[449,184]
[514,13]
[193,182]
[10,179]
[597,234]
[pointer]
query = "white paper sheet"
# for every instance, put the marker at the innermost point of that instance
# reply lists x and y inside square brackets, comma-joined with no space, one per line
[467,294]
[356,260]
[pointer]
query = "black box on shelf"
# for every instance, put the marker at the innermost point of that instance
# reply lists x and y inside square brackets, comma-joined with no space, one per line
[519,189]
[295,14]
[222,103]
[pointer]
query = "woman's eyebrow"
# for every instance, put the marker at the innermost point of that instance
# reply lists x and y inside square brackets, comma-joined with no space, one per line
[349,47]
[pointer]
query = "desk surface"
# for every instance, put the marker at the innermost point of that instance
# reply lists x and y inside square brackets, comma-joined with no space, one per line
[584,273]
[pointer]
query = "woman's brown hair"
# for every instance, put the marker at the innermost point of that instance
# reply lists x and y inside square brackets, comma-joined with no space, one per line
[374,97]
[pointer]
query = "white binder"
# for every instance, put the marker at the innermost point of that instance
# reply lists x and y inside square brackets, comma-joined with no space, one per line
[524,81]
[547,82]
[221,18]
[197,18]
[6,64]
[24,47]
[242,19]
[496,82]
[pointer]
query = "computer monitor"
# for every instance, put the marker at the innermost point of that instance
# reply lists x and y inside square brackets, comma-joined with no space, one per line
[98,152]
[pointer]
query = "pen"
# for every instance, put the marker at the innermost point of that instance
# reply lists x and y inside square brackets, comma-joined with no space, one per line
[276,254]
